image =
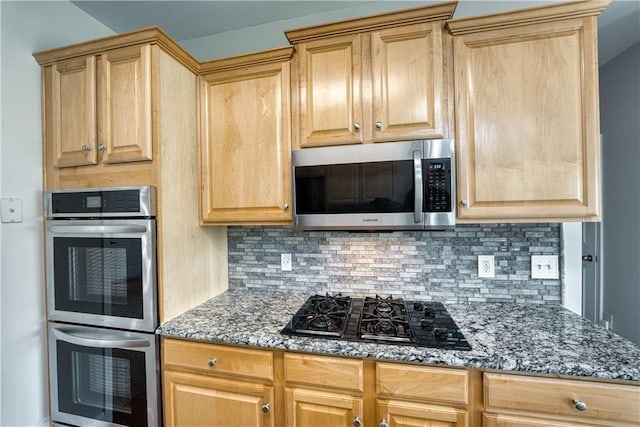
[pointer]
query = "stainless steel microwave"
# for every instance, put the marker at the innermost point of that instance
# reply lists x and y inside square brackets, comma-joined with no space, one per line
[384,186]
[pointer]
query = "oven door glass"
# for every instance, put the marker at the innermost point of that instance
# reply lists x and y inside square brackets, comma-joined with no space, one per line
[102,272]
[102,376]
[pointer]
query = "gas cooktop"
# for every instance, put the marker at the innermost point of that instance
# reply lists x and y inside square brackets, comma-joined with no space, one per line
[377,319]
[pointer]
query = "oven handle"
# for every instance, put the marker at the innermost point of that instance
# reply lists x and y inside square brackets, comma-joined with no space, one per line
[96,229]
[100,340]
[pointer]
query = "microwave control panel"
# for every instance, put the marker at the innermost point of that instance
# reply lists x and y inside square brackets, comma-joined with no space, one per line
[437,185]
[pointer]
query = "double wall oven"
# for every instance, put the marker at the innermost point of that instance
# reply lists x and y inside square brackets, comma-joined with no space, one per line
[102,306]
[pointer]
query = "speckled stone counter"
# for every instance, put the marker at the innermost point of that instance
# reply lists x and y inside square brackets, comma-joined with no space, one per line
[545,339]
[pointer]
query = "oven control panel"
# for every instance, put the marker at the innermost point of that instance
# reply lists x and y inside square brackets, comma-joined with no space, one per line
[101,202]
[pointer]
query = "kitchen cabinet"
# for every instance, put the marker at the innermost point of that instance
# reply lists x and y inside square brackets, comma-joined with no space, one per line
[376,79]
[212,385]
[130,99]
[414,395]
[526,112]
[322,391]
[518,400]
[245,139]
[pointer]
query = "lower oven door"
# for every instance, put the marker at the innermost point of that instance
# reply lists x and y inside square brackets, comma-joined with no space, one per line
[102,377]
[102,273]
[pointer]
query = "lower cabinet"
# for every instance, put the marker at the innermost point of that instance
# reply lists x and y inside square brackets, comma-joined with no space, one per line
[211,385]
[193,400]
[227,386]
[519,400]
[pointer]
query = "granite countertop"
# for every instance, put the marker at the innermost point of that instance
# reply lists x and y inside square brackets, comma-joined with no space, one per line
[545,339]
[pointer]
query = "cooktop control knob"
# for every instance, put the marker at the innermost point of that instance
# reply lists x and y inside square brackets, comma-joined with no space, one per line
[417,306]
[426,324]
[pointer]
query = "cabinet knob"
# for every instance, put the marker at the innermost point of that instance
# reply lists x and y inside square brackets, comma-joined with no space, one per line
[464,202]
[285,206]
[266,407]
[579,405]
[85,148]
[378,124]
[211,362]
[101,147]
[384,423]
[356,422]
[356,126]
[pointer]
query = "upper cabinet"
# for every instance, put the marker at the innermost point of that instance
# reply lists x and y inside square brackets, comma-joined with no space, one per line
[245,139]
[375,79]
[527,123]
[99,101]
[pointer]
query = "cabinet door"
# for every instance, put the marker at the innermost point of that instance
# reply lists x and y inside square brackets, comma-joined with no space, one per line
[313,408]
[200,401]
[246,145]
[408,88]
[527,122]
[73,112]
[408,414]
[125,105]
[331,91]
[502,420]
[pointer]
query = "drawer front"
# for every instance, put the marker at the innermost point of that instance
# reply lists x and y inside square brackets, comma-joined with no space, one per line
[323,371]
[221,359]
[418,382]
[615,402]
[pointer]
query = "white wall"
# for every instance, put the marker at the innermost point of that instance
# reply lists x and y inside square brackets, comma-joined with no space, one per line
[27,27]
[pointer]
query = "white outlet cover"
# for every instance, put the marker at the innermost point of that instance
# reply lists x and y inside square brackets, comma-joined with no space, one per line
[544,267]
[285,262]
[11,209]
[486,266]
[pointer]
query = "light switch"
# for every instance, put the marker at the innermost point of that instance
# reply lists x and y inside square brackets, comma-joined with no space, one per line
[544,267]
[11,209]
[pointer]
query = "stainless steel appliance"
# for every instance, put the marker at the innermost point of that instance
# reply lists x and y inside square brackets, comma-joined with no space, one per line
[102,306]
[386,186]
[377,319]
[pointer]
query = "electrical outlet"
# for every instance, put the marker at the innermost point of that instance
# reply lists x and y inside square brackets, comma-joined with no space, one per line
[285,262]
[544,267]
[486,267]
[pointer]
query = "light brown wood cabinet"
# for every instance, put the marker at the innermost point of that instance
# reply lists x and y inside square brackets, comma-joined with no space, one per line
[245,139]
[205,382]
[323,391]
[130,100]
[527,123]
[376,79]
[216,386]
[516,400]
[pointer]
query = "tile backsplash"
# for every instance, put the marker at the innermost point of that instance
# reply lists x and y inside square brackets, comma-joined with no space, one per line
[437,265]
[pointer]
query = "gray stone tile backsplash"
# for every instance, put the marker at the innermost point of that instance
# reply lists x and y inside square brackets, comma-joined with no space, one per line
[435,265]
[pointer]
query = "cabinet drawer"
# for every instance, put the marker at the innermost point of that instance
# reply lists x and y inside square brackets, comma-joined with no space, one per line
[324,371]
[217,359]
[418,382]
[615,402]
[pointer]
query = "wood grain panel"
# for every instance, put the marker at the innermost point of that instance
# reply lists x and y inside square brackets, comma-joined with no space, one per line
[554,397]
[313,408]
[236,361]
[330,91]
[417,382]
[527,121]
[409,414]
[73,112]
[333,372]
[194,400]
[246,145]
[125,104]
[502,420]
[408,91]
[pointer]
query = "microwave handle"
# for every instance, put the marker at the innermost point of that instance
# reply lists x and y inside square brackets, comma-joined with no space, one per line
[99,340]
[418,193]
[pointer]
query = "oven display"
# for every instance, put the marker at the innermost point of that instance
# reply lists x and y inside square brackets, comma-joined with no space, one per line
[94,202]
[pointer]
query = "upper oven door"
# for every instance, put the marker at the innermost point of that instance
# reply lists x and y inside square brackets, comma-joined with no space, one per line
[102,272]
